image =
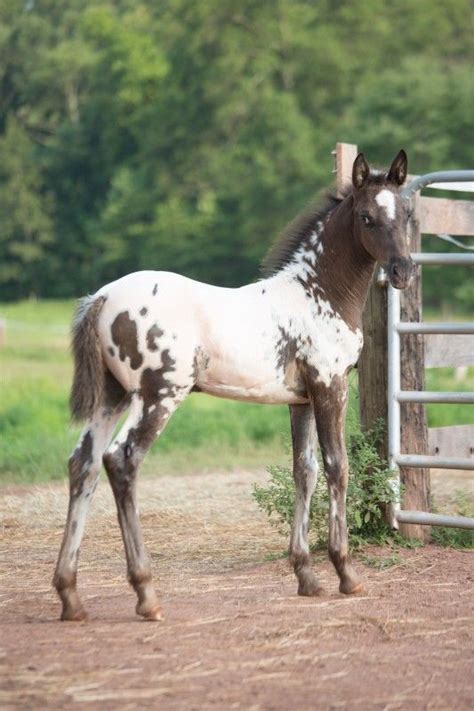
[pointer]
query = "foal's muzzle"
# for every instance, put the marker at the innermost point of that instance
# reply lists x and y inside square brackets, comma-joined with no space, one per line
[400,271]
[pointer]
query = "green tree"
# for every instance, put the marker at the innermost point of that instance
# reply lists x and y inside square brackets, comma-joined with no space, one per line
[26,227]
[181,135]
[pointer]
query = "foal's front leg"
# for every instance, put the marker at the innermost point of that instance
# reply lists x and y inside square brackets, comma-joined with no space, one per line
[330,405]
[305,472]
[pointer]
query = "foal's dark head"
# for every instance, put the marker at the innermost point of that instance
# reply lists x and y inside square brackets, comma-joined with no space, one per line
[381,217]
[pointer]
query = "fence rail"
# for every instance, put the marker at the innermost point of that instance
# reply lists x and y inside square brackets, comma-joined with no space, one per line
[425,461]
[450,398]
[429,519]
[436,327]
[456,259]
[442,178]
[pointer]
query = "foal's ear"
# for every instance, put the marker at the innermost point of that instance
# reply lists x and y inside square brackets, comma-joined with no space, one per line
[399,169]
[360,171]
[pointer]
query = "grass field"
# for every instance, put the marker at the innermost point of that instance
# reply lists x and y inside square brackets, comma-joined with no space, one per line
[204,434]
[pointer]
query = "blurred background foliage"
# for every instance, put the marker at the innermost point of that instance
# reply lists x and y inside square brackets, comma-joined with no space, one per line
[183,135]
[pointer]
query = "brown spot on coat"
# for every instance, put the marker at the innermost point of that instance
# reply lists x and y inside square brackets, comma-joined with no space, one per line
[125,336]
[286,352]
[153,333]
[155,290]
[154,386]
[79,464]
[111,351]
[143,311]
[114,394]
[153,381]
[200,362]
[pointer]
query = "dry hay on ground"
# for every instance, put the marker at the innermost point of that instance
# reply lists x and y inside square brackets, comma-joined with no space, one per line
[235,633]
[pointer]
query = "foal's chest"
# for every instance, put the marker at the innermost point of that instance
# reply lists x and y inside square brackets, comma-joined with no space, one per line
[325,342]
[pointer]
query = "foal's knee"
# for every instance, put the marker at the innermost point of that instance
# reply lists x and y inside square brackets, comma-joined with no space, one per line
[336,467]
[305,474]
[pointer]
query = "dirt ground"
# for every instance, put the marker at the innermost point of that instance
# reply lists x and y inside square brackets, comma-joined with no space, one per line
[235,635]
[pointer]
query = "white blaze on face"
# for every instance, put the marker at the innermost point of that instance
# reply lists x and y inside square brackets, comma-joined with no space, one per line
[386,199]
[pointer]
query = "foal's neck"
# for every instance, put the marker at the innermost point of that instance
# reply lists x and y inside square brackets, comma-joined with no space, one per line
[331,264]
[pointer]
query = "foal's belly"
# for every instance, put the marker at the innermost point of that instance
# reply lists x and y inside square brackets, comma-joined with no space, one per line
[253,380]
[274,394]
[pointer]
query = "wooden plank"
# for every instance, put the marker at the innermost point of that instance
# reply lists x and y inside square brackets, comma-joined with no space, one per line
[345,154]
[441,215]
[447,351]
[455,441]
[372,365]
[414,430]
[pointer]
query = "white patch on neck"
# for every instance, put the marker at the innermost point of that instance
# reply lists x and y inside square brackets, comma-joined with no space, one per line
[386,199]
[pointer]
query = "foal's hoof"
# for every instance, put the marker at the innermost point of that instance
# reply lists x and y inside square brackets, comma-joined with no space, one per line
[152,612]
[154,615]
[310,587]
[74,616]
[349,588]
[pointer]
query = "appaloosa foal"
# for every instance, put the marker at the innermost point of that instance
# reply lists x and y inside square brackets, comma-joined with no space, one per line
[146,341]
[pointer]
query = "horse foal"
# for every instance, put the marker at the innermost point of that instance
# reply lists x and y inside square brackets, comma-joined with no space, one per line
[143,343]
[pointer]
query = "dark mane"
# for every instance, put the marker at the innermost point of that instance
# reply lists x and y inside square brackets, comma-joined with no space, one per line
[280,253]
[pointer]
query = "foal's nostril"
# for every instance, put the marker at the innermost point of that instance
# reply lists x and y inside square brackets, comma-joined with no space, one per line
[395,270]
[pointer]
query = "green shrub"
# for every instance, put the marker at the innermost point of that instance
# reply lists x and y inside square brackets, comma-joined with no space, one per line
[368,488]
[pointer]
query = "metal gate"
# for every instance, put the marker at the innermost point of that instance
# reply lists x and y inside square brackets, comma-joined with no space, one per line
[396,396]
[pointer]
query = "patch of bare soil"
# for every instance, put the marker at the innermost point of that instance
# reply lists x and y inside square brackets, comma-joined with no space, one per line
[235,635]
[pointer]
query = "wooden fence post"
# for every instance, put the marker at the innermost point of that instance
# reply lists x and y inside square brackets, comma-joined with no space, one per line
[414,430]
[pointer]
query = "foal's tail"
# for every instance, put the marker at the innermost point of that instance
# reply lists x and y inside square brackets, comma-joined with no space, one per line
[89,371]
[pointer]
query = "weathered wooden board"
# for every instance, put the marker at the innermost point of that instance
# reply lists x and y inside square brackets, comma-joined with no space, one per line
[372,365]
[455,441]
[413,434]
[443,351]
[439,215]
[345,155]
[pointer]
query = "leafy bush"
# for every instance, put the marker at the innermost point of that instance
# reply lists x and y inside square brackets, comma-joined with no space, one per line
[368,488]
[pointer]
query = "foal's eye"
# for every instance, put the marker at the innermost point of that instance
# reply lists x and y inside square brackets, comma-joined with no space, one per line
[366,219]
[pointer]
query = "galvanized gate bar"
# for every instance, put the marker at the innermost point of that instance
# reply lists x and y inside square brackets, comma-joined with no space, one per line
[430,519]
[436,327]
[422,461]
[444,258]
[442,176]
[396,395]
[427,397]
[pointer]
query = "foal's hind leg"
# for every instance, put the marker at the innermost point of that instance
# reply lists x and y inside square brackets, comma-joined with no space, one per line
[305,472]
[330,404]
[121,461]
[84,468]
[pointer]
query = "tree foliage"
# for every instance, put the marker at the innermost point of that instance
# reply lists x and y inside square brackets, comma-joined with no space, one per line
[182,135]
